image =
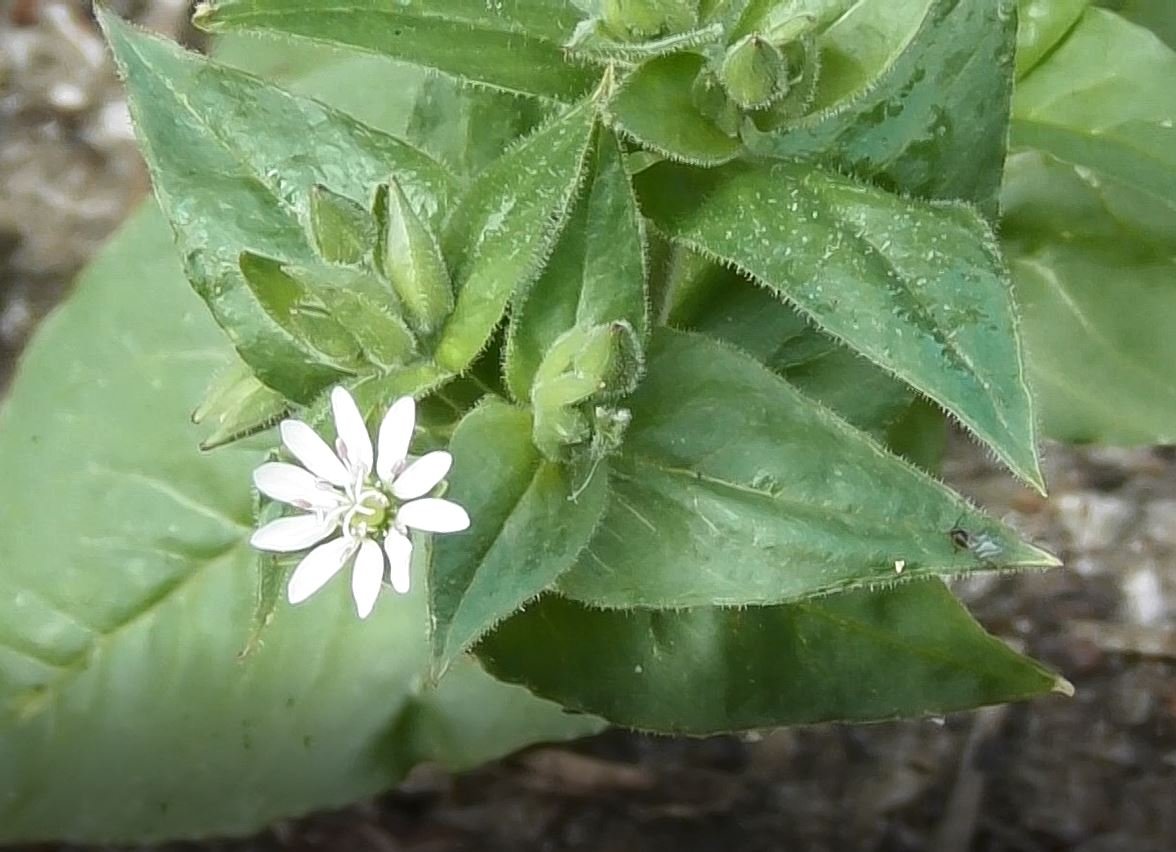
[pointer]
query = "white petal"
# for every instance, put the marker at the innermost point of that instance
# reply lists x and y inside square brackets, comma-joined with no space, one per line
[433,515]
[314,453]
[399,550]
[422,476]
[287,535]
[355,442]
[292,484]
[367,577]
[319,566]
[394,438]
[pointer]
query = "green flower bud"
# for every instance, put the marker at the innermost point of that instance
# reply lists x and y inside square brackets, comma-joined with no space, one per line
[754,72]
[582,367]
[574,368]
[410,257]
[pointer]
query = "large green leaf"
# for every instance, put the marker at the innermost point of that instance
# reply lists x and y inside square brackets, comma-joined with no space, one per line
[744,491]
[917,287]
[855,656]
[529,523]
[1159,16]
[1099,303]
[596,274]
[926,114]
[228,158]
[513,45]
[128,595]
[1090,228]
[1114,118]
[500,234]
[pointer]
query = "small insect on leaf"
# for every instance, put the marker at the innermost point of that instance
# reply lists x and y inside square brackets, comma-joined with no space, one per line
[983,546]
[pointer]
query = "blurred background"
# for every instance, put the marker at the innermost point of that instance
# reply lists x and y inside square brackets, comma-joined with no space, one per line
[1095,773]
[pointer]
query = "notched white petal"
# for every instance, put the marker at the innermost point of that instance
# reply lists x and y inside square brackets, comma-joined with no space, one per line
[306,446]
[353,434]
[367,577]
[399,550]
[289,483]
[289,535]
[433,515]
[394,438]
[317,567]
[422,476]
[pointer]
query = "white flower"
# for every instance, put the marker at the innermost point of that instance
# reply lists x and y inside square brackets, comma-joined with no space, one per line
[369,499]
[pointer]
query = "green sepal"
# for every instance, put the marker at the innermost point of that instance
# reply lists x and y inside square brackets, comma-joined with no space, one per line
[641,20]
[364,305]
[754,72]
[341,229]
[590,365]
[237,405]
[295,308]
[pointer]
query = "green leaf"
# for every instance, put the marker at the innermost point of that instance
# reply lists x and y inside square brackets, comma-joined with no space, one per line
[857,656]
[1098,304]
[744,491]
[1105,102]
[527,528]
[596,274]
[466,127]
[513,45]
[655,106]
[228,158]
[126,715]
[1041,25]
[924,113]
[758,323]
[1159,16]
[918,288]
[501,233]
[726,307]
[1090,228]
